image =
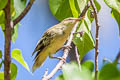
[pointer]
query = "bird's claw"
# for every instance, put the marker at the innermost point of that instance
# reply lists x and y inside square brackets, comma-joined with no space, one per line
[61,58]
[66,47]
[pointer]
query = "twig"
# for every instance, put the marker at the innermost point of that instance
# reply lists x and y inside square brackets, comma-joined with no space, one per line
[25,11]
[66,51]
[84,11]
[7,46]
[97,39]
[117,58]
[46,73]
[78,57]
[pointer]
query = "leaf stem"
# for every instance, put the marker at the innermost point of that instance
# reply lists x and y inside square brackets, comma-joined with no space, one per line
[97,39]
[25,11]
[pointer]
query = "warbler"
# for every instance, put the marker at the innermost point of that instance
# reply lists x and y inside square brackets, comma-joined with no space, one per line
[52,41]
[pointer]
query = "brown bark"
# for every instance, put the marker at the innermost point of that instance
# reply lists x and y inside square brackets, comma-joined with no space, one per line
[7,58]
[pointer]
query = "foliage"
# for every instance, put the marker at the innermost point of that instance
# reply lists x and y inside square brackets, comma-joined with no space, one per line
[62,9]
[115,10]
[85,41]
[71,71]
[17,6]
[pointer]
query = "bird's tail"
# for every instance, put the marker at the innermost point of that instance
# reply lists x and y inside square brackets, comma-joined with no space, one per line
[39,60]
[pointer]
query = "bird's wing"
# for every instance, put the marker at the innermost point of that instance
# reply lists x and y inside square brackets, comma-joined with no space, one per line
[44,41]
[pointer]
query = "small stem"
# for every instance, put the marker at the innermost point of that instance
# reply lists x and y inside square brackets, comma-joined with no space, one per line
[97,39]
[46,73]
[7,46]
[78,57]
[26,10]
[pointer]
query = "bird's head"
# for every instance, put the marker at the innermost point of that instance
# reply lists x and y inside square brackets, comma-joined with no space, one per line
[70,21]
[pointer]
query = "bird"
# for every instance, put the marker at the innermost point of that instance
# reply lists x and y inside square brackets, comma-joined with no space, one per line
[52,41]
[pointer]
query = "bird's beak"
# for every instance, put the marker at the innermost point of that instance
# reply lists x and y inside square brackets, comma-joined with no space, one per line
[78,19]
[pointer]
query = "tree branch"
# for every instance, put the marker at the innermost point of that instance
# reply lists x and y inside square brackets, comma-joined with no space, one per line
[97,39]
[7,46]
[78,57]
[28,7]
[66,51]
[117,58]
[65,54]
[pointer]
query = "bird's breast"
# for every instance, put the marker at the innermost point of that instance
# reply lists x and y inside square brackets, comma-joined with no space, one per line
[57,43]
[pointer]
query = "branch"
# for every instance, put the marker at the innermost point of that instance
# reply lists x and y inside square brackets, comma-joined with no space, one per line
[117,58]
[97,39]
[7,46]
[21,16]
[78,57]
[66,51]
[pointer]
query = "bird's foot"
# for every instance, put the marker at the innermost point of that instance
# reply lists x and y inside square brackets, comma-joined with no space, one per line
[66,47]
[60,58]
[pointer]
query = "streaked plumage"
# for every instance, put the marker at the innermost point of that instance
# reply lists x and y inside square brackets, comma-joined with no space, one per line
[52,40]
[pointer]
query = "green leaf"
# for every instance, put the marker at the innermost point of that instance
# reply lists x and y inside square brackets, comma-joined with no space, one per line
[12,9]
[2,16]
[15,33]
[19,6]
[13,68]
[97,5]
[1,75]
[3,3]
[0,54]
[60,77]
[114,4]
[85,42]
[116,16]
[1,63]
[2,26]
[89,65]
[82,4]
[72,72]
[109,72]
[60,9]
[73,8]
[16,54]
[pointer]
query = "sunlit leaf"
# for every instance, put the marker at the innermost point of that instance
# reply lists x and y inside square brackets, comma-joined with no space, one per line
[82,4]
[16,54]
[114,4]
[72,72]
[12,9]
[1,75]
[19,6]
[73,8]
